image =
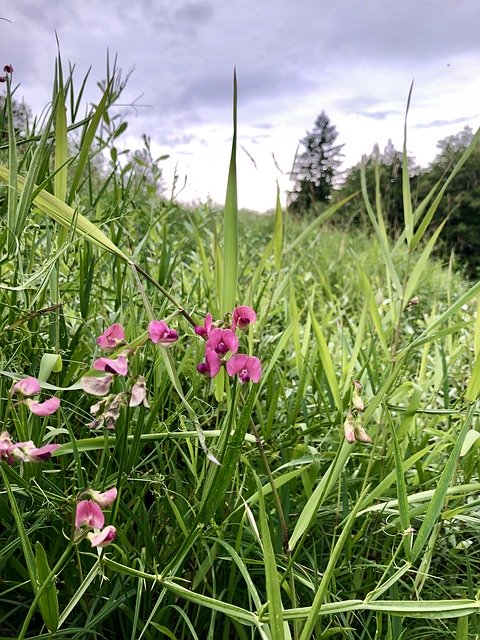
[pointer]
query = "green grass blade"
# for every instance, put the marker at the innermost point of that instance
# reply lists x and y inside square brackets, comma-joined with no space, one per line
[327,362]
[278,233]
[407,196]
[48,601]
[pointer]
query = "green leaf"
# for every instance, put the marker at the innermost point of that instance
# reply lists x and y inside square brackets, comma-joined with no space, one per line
[48,601]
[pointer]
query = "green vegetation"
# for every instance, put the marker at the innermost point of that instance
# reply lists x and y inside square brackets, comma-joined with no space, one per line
[303,530]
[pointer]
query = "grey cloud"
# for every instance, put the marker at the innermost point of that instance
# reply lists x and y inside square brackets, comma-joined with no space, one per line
[195,12]
[379,115]
[441,123]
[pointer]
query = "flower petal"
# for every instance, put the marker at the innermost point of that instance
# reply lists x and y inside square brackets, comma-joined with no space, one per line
[112,365]
[27,386]
[89,514]
[111,337]
[160,333]
[104,537]
[97,385]
[45,408]
[242,317]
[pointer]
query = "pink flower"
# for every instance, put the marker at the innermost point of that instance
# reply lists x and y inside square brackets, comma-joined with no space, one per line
[104,537]
[222,341]
[211,365]
[6,447]
[139,393]
[110,365]
[89,514]
[160,333]
[103,499]
[28,452]
[242,317]
[97,386]
[111,337]
[204,330]
[246,367]
[27,386]
[45,408]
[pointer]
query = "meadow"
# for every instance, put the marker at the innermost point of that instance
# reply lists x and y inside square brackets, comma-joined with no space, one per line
[301,463]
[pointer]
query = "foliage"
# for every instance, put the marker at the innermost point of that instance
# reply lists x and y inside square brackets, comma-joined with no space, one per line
[298,533]
[315,168]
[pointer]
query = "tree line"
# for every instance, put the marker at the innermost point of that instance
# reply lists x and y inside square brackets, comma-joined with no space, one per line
[318,182]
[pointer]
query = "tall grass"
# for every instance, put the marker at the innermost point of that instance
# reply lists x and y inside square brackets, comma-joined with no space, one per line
[242,510]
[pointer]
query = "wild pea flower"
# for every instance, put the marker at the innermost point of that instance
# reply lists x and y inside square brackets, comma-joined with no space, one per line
[242,317]
[27,386]
[204,330]
[107,411]
[111,337]
[222,341]
[6,447]
[102,538]
[24,451]
[45,408]
[354,430]
[103,499]
[97,386]
[246,367]
[139,393]
[112,365]
[211,365]
[160,333]
[88,515]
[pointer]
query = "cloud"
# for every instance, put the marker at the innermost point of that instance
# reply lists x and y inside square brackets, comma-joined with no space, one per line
[443,123]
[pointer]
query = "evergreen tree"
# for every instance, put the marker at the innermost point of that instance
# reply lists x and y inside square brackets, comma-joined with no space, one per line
[315,169]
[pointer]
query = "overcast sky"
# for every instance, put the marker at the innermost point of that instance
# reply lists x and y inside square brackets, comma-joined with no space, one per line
[355,59]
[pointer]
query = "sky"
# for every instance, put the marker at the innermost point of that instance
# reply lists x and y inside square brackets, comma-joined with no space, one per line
[353,59]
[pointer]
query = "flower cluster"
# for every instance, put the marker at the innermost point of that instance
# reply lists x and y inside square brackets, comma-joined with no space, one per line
[221,347]
[31,387]
[107,410]
[8,69]
[23,451]
[353,428]
[90,520]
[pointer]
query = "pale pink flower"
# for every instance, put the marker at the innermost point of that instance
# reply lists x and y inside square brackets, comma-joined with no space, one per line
[211,365]
[45,408]
[242,317]
[89,515]
[97,386]
[222,341]
[6,447]
[160,333]
[27,386]
[28,452]
[246,367]
[204,330]
[112,365]
[139,393]
[111,337]
[103,499]
[104,537]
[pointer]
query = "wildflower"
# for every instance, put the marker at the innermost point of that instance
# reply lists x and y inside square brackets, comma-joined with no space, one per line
[103,499]
[354,430]
[6,447]
[97,386]
[357,401]
[211,365]
[28,452]
[8,68]
[246,367]
[139,393]
[102,538]
[242,317]
[110,408]
[27,386]
[222,341]
[160,333]
[45,408]
[111,337]
[112,365]
[204,330]
[89,515]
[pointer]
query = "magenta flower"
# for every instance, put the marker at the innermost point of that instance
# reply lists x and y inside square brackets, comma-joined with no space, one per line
[222,341]
[160,333]
[28,452]
[112,365]
[211,365]
[27,386]
[246,367]
[97,386]
[139,393]
[111,337]
[45,408]
[103,499]
[242,317]
[89,515]
[8,68]
[204,330]
[102,538]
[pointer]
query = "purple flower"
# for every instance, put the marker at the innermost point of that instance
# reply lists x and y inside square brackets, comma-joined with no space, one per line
[45,408]
[139,393]
[103,499]
[242,317]
[204,330]
[222,341]
[89,515]
[8,68]
[246,367]
[112,365]
[160,333]
[211,365]
[27,386]
[104,537]
[97,386]
[111,337]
